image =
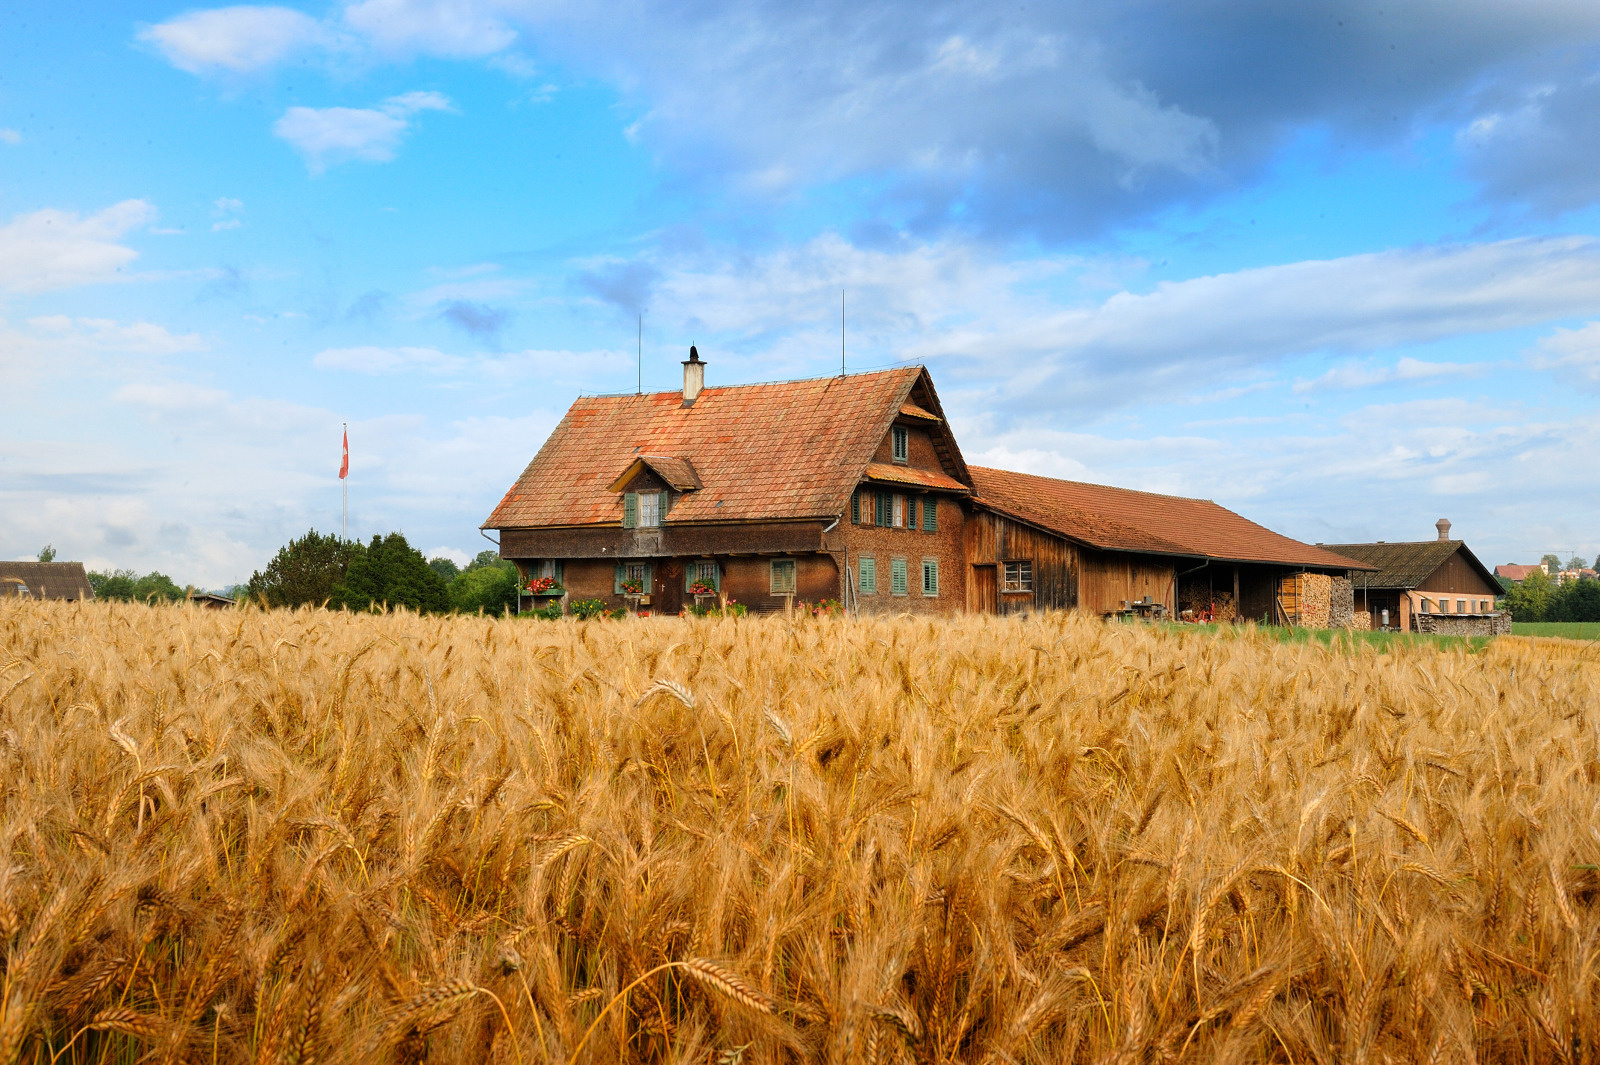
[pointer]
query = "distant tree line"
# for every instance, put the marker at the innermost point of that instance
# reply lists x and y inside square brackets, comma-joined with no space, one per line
[321,569]
[1538,597]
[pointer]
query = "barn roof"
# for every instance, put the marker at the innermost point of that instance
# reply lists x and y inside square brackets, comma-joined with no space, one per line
[767,452]
[1513,571]
[1120,519]
[1408,564]
[45,580]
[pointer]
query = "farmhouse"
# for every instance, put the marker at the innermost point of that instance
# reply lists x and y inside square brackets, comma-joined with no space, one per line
[44,580]
[853,488]
[1426,586]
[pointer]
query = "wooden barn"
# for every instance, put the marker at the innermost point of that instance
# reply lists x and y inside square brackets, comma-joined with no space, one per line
[44,580]
[1433,585]
[853,488]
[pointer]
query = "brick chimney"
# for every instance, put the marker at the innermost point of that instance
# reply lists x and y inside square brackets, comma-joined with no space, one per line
[694,377]
[1443,525]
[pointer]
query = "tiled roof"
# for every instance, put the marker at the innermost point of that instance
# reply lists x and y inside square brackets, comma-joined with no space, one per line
[1120,519]
[771,452]
[46,580]
[911,410]
[1515,572]
[677,473]
[1408,564]
[882,471]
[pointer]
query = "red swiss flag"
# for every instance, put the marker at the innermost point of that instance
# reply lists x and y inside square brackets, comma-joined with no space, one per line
[344,467]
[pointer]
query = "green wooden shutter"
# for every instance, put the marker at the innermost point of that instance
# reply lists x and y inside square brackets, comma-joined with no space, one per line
[930,577]
[880,508]
[911,512]
[869,575]
[561,573]
[897,576]
[855,507]
[930,514]
[622,575]
[630,510]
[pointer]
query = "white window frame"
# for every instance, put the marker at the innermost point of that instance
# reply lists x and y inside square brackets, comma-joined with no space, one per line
[1425,608]
[782,565]
[1024,578]
[1461,606]
[898,517]
[650,510]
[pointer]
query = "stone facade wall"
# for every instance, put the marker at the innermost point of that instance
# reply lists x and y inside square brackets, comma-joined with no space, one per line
[883,544]
[1446,625]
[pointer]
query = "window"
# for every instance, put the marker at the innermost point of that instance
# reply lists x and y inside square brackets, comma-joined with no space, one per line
[930,514]
[899,511]
[1426,607]
[1483,606]
[855,507]
[643,509]
[649,509]
[911,512]
[930,577]
[868,575]
[642,572]
[902,443]
[880,508]
[704,571]
[897,576]
[1019,576]
[783,576]
[546,567]
[1461,607]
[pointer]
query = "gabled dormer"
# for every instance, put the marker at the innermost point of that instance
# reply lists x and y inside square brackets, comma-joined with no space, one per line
[918,447]
[648,487]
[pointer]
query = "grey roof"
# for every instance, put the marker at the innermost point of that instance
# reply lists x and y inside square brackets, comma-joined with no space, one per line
[45,580]
[1407,565]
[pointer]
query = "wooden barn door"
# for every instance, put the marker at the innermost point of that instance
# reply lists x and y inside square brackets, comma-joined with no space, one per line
[669,588]
[985,589]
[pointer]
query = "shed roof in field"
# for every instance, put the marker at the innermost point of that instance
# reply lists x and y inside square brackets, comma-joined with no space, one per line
[1408,564]
[45,580]
[766,452]
[1121,519]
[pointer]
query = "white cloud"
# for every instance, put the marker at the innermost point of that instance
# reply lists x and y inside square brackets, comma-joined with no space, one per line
[52,249]
[105,334]
[226,210]
[457,28]
[10,136]
[1367,375]
[331,135]
[1572,354]
[238,39]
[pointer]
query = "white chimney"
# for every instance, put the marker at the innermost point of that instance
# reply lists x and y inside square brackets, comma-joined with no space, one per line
[1443,525]
[694,377]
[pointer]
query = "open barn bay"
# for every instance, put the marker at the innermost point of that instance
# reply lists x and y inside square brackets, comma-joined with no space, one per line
[297,836]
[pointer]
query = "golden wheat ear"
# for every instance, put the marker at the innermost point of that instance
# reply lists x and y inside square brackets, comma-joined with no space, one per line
[728,983]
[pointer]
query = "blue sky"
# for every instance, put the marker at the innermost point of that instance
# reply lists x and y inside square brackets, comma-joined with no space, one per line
[1336,266]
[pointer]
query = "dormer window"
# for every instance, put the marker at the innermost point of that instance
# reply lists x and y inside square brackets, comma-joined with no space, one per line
[902,443]
[642,510]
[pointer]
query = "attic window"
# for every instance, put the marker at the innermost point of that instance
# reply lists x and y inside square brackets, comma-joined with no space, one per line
[902,443]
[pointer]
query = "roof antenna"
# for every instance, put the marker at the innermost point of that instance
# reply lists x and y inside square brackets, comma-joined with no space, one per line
[641,354]
[841,332]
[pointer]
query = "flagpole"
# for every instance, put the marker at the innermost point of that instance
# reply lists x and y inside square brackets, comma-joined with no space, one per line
[344,486]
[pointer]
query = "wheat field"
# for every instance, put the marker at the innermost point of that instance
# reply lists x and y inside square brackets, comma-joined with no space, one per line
[309,836]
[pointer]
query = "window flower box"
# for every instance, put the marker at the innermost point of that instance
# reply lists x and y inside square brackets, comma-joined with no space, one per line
[701,588]
[545,586]
[634,587]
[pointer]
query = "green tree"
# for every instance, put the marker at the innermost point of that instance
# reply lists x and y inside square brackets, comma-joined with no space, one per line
[1530,598]
[491,588]
[1576,563]
[47,553]
[1575,601]
[304,571]
[391,572]
[446,569]
[155,587]
[112,583]
[1552,561]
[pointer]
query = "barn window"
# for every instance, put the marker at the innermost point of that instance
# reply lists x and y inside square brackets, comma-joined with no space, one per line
[897,576]
[930,514]
[930,577]
[869,575]
[902,444]
[705,572]
[1019,576]
[627,572]
[1461,606]
[1427,607]
[783,576]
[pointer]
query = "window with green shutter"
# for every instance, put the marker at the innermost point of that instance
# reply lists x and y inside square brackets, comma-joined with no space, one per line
[855,507]
[704,571]
[643,572]
[930,577]
[869,575]
[783,576]
[880,508]
[911,512]
[902,444]
[897,576]
[630,510]
[930,514]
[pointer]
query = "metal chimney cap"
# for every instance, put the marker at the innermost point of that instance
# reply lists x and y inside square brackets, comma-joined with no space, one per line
[694,355]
